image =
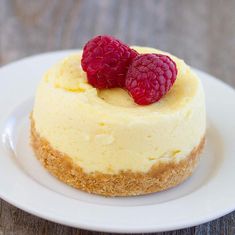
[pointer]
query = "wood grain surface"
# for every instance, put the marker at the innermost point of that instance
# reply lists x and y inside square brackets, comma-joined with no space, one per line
[201,32]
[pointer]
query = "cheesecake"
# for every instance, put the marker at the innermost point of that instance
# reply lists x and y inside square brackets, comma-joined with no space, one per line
[102,142]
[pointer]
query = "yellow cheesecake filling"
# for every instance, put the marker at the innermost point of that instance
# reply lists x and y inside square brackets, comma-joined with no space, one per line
[106,131]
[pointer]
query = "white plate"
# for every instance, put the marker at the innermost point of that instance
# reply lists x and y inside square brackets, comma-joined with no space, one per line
[208,194]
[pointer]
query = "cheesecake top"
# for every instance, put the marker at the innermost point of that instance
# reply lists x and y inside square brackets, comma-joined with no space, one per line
[69,76]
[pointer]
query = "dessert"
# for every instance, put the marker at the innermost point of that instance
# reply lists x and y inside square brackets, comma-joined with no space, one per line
[101,141]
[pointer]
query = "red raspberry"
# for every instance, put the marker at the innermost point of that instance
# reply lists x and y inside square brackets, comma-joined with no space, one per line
[150,76]
[106,61]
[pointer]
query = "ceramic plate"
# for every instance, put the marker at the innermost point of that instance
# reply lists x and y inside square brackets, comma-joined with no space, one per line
[208,194]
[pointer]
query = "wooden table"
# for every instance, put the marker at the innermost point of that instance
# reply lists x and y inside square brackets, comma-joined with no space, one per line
[201,32]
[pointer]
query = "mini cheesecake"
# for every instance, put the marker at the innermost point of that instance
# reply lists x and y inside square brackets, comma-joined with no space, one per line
[102,142]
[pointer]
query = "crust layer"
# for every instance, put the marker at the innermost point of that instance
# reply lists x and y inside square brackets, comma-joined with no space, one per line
[127,183]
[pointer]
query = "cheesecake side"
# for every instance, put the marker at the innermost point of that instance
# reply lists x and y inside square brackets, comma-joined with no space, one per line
[161,176]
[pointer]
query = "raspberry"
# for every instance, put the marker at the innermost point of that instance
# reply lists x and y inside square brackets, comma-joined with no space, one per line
[106,61]
[150,76]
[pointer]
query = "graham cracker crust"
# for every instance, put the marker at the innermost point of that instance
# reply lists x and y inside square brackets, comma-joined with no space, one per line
[126,183]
